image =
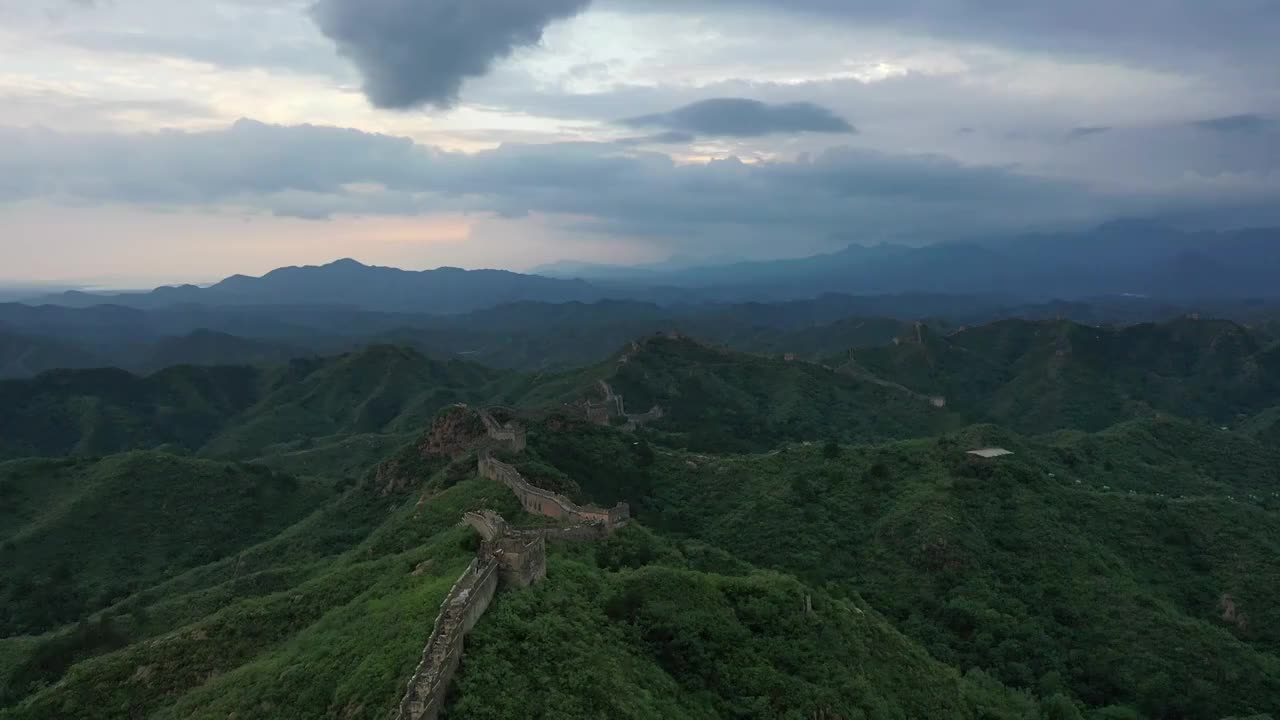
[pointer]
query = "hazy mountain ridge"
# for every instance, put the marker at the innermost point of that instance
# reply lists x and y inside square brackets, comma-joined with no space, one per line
[440,291]
[1121,257]
[1125,257]
[536,335]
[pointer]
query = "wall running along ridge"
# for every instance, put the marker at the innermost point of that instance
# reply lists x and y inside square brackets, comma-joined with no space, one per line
[543,502]
[461,609]
[507,558]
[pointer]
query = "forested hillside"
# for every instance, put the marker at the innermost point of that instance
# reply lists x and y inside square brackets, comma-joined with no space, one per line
[809,540]
[1047,375]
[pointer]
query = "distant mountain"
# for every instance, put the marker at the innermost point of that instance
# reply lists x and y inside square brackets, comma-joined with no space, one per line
[1131,257]
[350,283]
[26,355]
[205,347]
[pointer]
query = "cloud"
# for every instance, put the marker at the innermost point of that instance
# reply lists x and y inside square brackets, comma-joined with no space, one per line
[1247,123]
[250,50]
[669,137]
[1085,131]
[412,52]
[418,52]
[1159,31]
[740,117]
[316,172]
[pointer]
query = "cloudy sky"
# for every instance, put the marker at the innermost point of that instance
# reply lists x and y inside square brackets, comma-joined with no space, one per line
[148,141]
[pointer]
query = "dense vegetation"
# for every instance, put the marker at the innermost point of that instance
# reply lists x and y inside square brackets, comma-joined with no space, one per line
[176,514]
[1042,376]
[240,412]
[1099,566]
[812,540]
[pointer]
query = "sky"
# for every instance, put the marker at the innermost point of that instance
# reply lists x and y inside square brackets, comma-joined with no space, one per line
[147,142]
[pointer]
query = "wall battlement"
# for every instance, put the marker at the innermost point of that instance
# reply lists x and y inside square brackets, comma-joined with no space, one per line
[602,412]
[537,501]
[511,434]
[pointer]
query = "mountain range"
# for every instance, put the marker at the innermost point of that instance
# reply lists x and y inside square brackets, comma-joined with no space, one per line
[527,335]
[1119,258]
[244,501]
[811,537]
[1122,258]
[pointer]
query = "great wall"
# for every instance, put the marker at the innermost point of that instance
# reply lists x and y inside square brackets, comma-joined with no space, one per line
[508,558]
[602,412]
[537,501]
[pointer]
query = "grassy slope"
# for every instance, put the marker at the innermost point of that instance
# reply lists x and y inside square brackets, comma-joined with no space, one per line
[337,594]
[1264,426]
[292,630]
[338,457]
[80,534]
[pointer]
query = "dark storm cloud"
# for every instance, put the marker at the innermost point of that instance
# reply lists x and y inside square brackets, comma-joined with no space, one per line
[412,52]
[416,52]
[740,117]
[1247,123]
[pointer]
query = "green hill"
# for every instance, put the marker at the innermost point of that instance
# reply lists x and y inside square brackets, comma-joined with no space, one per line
[80,535]
[206,347]
[1265,425]
[809,541]
[718,400]
[1101,566]
[232,411]
[328,618]
[24,355]
[1049,375]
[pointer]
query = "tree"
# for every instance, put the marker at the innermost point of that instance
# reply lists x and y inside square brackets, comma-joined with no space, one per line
[831,450]
[644,453]
[1059,707]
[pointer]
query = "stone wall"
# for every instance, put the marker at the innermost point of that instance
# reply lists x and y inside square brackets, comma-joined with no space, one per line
[507,558]
[511,434]
[522,561]
[537,501]
[592,531]
[602,412]
[461,609]
[521,555]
